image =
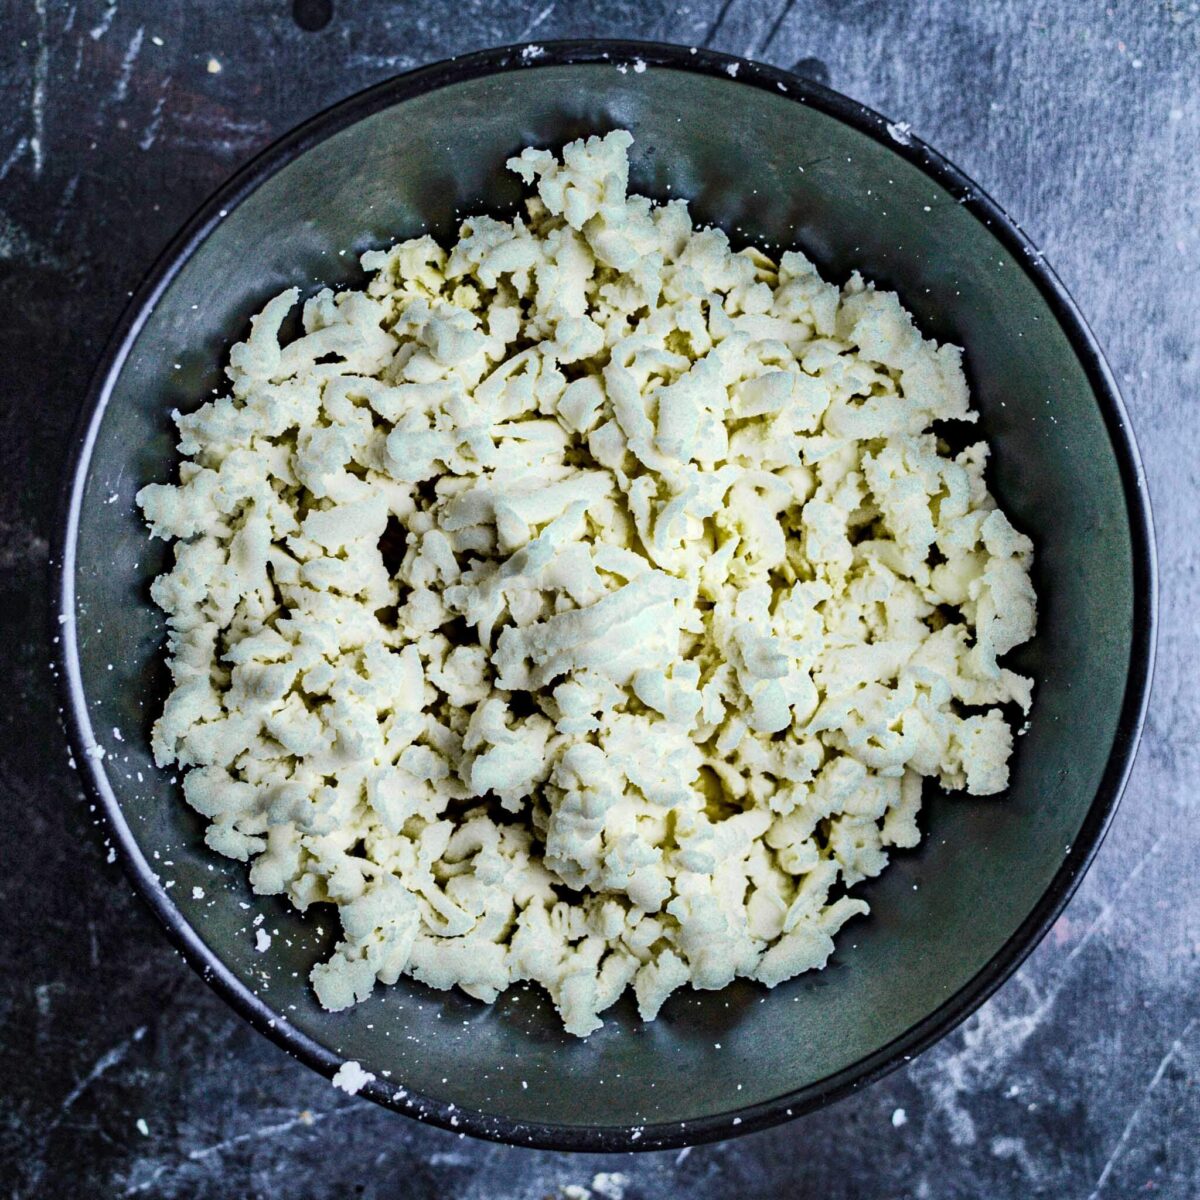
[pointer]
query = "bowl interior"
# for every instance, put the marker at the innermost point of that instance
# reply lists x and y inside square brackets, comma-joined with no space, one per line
[766,169]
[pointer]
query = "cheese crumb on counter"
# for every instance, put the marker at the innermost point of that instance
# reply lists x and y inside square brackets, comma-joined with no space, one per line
[351,1078]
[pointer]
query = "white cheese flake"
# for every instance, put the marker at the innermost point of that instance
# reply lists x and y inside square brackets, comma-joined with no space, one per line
[351,1078]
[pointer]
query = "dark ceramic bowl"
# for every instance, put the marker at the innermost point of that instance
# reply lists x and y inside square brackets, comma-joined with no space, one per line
[773,159]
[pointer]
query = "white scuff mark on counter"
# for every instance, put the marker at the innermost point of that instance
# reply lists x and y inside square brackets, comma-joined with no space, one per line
[37,104]
[537,20]
[1155,1080]
[127,63]
[442,1158]
[381,61]
[14,154]
[99,30]
[201,129]
[305,1118]
[109,1059]
[150,134]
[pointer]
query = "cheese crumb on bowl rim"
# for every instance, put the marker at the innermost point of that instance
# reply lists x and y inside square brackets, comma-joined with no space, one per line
[1075,858]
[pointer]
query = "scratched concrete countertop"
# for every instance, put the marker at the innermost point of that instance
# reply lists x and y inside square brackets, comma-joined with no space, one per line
[121,1074]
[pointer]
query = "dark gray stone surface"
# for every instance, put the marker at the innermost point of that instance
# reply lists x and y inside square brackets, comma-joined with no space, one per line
[121,1074]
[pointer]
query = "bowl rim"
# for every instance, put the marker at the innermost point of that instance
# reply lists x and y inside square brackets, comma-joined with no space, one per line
[738,72]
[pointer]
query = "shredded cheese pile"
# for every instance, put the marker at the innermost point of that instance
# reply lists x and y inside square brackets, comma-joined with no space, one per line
[583,604]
